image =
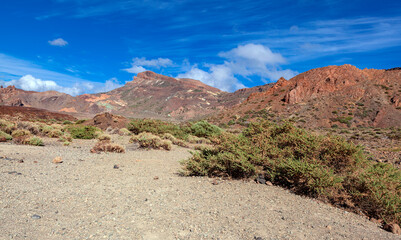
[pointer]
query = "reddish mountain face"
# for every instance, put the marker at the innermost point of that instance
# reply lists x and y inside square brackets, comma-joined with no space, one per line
[148,95]
[333,95]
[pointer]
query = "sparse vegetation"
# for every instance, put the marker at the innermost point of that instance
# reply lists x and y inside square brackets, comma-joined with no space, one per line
[6,135]
[35,141]
[326,167]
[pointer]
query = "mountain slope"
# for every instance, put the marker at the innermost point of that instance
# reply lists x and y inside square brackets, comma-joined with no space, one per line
[333,95]
[148,95]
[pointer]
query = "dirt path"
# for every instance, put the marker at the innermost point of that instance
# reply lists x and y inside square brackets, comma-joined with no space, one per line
[85,197]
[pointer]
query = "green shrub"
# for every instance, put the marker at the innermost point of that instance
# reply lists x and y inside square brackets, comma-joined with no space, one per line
[6,135]
[67,122]
[83,132]
[197,140]
[157,127]
[124,132]
[205,129]
[327,167]
[35,141]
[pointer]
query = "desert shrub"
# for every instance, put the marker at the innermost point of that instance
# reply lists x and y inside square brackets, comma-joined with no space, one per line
[197,140]
[157,127]
[104,137]
[30,126]
[205,129]
[66,137]
[7,126]
[83,132]
[326,167]
[55,133]
[46,129]
[174,140]
[107,146]
[20,133]
[231,122]
[80,121]
[124,132]
[35,141]
[6,135]
[148,140]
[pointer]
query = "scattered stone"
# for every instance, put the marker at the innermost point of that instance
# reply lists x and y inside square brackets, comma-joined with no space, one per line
[393,227]
[35,216]
[35,161]
[215,182]
[269,183]
[116,166]
[156,178]
[14,173]
[57,160]
[328,227]
[261,179]
[21,161]
[257,238]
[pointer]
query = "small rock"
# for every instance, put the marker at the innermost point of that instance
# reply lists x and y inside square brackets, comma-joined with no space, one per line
[393,227]
[116,166]
[35,216]
[21,161]
[3,139]
[261,179]
[35,161]
[269,183]
[57,160]
[215,182]
[156,178]
[328,227]
[257,238]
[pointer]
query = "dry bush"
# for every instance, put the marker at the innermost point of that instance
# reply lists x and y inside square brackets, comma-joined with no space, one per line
[107,146]
[66,137]
[30,126]
[55,133]
[5,135]
[198,140]
[20,133]
[174,140]
[148,140]
[7,126]
[104,137]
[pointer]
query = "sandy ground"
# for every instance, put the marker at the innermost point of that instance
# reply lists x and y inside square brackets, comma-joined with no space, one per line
[85,197]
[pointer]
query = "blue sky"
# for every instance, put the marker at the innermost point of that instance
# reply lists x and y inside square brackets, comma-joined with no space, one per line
[86,46]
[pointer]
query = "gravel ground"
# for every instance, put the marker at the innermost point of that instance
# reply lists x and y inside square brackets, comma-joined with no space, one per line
[86,197]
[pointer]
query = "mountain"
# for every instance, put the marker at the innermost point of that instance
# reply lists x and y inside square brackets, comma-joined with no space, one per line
[148,95]
[324,97]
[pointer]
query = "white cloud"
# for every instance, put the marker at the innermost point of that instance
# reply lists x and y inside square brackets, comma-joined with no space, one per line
[110,84]
[243,61]
[30,83]
[58,42]
[138,64]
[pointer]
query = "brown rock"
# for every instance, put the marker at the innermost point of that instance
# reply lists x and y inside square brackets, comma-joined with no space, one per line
[156,178]
[393,227]
[269,183]
[3,139]
[57,160]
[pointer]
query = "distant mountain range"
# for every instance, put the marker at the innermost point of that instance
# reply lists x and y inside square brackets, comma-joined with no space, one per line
[333,95]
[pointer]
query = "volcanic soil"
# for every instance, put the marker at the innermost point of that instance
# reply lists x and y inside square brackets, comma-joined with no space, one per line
[140,195]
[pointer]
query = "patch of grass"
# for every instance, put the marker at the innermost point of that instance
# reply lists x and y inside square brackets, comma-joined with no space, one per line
[325,167]
[104,137]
